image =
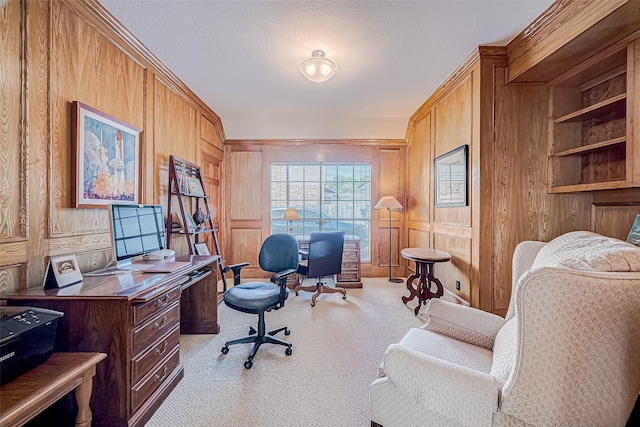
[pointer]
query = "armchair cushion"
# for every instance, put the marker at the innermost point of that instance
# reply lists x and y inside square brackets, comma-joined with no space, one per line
[587,251]
[463,323]
[443,386]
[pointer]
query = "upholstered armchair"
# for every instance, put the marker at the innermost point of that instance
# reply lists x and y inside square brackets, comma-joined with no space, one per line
[567,353]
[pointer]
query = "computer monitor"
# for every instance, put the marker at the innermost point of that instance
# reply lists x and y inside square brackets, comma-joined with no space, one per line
[136,231]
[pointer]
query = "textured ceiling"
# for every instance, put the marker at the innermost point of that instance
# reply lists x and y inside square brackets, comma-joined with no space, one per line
[241,57]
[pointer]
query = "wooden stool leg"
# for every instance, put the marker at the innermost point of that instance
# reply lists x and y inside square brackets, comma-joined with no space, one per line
[83,396]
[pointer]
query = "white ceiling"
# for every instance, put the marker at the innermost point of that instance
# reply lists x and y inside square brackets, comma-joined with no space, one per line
[241,57]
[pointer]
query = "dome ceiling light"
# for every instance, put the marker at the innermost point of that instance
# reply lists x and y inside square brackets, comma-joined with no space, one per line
[317,68]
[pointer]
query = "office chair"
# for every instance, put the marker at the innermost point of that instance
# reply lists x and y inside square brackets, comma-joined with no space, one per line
[278,255]
[323,259]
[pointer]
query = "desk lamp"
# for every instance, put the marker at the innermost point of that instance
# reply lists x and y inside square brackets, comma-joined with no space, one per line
[289,215]
[389,203]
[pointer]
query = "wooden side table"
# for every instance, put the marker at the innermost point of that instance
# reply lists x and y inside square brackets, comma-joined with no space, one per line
[424,259]
[34,391]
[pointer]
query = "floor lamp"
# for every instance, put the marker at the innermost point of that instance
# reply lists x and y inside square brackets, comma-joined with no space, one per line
[389,203]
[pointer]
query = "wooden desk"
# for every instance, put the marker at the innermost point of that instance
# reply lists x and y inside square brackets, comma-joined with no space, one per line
[34,391]
[135,318]
[350,277]
[424,259]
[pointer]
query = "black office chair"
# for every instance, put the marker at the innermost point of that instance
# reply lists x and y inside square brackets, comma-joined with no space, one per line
[278,255]
[323,259]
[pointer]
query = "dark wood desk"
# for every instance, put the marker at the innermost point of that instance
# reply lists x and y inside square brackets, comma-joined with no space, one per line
[34,391]
[136,319]
[424,259]
[351,276]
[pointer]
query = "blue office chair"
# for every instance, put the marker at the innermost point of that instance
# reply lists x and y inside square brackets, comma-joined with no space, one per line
[278,255]
[323,259]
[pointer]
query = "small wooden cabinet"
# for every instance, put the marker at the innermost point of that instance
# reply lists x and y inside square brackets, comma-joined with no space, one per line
[351,271]
[590,125]
[136,319]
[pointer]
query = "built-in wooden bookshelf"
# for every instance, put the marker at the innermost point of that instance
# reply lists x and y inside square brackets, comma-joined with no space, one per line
[589,125]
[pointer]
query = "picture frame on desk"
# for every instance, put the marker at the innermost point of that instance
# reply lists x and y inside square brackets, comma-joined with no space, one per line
[201,248]
[62,271]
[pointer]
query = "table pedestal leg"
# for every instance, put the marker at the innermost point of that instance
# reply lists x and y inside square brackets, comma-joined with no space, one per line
[413,291]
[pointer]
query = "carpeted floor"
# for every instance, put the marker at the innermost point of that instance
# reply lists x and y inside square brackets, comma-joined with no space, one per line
[337,346]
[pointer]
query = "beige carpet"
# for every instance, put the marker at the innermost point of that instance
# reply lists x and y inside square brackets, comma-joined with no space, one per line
[337,346]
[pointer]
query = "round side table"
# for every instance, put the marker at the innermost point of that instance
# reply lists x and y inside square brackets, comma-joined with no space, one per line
[424,259]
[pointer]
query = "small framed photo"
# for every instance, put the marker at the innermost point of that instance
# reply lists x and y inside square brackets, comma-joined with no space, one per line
[195,188]
[62,271]
[201,248]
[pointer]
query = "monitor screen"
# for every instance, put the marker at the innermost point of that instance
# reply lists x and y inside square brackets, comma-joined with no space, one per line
[136,230]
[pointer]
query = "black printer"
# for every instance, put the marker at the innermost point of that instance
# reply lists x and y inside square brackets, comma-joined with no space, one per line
[27,339]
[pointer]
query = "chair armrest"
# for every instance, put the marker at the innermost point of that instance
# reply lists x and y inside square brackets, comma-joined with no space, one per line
[462,394]
[463,323]
[236,271]
[303,254]
[277,277]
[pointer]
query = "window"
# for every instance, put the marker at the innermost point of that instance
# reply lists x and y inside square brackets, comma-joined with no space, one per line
[327,196]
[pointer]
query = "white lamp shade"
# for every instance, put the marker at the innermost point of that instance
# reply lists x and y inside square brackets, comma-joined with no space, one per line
[317,68]
[388,202]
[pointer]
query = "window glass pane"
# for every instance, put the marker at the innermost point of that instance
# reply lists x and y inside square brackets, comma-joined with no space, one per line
[328,197]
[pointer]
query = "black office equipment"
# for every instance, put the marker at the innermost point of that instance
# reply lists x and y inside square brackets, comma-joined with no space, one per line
[27,339]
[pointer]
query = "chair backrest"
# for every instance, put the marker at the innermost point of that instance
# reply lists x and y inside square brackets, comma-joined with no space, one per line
[325,253]
[279,252]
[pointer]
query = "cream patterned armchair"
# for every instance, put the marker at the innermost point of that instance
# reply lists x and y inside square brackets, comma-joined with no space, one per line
[567,353]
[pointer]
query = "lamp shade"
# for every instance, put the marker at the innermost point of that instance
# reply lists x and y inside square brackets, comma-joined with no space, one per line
[388,202]
[290,214]
[317,68]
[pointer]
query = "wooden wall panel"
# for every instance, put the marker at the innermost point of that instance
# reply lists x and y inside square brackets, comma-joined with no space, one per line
[246,247]
[65,51]
[453,121]
[13,143]
[458,268]
[245,173]
[419,185]
[78,56]
[614,221]
[209,133]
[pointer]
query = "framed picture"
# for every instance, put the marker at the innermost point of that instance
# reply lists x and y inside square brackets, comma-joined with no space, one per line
[194,186]
[450,178]
[201,248]
[106,159]
[634,233]
[62,271]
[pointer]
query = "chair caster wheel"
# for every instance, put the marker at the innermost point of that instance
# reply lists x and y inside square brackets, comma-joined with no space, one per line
[252,330]
[344,297]
[287,331]
[225,350]
[313,304]
[248,364]
[288,351]
[297,293]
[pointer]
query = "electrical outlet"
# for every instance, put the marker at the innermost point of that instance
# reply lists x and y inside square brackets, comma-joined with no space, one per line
[457,285]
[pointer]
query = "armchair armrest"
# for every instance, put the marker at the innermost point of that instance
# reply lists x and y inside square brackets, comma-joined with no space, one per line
[279,276]
[462,394]
[236,271]
[463,323]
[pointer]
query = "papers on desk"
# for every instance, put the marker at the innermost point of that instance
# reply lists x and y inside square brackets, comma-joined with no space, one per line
[165,267]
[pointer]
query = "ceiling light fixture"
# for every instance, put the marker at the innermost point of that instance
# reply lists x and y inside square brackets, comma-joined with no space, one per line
[317,68]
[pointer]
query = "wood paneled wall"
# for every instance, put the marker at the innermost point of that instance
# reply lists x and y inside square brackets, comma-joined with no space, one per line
[54,53]
[247,174]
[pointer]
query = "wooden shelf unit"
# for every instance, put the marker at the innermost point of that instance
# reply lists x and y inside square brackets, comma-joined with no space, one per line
[182,174]
[590,124]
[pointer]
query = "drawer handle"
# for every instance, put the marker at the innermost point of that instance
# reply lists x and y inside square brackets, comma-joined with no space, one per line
[160,325]
[162,302]
[159,352]
[158,377]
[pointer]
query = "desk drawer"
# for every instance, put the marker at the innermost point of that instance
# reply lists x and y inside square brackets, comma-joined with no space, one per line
[348,266]
[141,391]
[151,331]
[350,256]
[348,277]
[144,310]
[141,365]
[350,245]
